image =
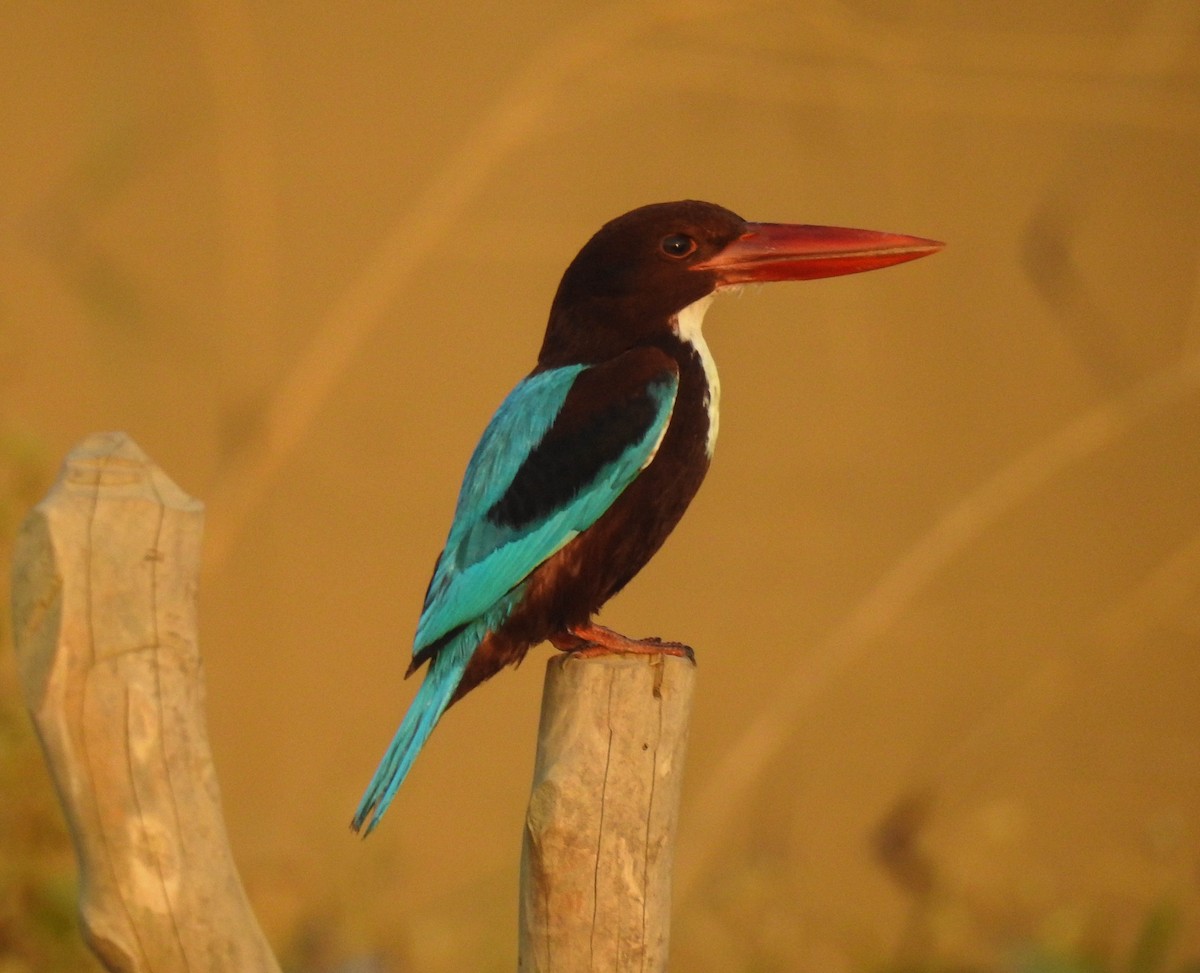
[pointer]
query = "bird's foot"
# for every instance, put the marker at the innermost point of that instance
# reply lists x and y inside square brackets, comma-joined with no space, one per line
[591,640]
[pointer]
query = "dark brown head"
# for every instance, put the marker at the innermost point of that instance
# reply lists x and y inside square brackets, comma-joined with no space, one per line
[640,270]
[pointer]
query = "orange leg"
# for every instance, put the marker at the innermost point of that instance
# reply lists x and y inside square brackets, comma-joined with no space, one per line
[590,639]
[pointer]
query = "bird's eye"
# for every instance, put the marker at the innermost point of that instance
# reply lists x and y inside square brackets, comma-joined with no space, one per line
[678,245]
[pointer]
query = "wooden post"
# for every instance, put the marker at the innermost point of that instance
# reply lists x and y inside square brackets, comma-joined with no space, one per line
[600,830]
[104,589]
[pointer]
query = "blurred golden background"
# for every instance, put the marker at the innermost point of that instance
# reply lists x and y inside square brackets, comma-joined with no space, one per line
[944,577]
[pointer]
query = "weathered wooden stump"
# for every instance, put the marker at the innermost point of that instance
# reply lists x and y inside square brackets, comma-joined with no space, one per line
[104,611]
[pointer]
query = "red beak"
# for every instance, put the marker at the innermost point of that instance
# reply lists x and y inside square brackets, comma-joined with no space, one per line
[785,251]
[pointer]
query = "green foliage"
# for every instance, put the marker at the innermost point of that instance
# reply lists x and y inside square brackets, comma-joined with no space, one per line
[1156,942]
[1151,952]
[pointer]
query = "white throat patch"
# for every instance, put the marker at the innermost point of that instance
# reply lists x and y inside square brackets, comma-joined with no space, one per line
[687,326]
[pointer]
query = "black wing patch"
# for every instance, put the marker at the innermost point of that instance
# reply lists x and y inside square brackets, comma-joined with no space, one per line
[609,409]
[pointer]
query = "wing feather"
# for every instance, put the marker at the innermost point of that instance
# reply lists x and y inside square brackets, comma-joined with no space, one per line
[560,449]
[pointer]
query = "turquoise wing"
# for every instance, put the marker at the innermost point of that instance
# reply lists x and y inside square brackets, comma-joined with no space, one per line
[560,449]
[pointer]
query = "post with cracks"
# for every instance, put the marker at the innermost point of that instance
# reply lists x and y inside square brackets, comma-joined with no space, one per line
[104,617]
[600,829]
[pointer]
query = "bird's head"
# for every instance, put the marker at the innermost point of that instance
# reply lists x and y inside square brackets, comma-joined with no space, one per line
[639,270]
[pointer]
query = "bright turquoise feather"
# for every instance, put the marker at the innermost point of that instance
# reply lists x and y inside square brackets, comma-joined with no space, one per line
[442,678]
[483,560]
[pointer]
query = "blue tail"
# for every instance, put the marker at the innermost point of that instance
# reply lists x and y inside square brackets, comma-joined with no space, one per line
[445,673]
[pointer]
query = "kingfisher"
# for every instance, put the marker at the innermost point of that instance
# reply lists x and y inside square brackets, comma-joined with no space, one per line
[590,462]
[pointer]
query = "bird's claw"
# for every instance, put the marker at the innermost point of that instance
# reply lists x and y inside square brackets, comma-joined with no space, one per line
[591,641]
